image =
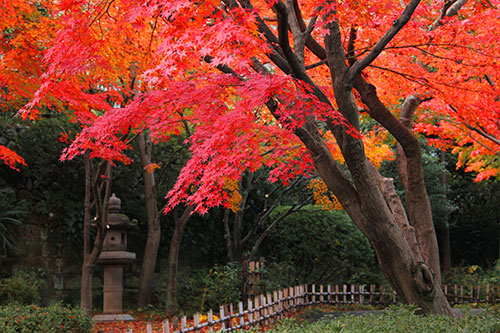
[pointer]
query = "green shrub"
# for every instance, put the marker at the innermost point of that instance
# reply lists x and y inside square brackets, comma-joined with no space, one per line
[209,288]
[318,246]
[23,287]
[11,214]
[396,319]
[54,318]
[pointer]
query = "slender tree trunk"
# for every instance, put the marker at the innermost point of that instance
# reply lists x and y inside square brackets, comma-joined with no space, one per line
[173,261]
[101,206]
[154,230]
[445,234]
[87,269]
[229,236]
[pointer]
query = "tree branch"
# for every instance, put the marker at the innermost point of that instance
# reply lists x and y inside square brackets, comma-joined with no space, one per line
[450,8]
[356,69]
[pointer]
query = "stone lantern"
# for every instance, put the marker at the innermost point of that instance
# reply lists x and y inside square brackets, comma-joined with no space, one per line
[113,256]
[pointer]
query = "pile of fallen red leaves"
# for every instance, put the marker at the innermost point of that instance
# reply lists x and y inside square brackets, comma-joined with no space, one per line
[138,325]
[156,320]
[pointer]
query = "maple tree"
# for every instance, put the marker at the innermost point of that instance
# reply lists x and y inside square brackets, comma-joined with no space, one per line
[288,85]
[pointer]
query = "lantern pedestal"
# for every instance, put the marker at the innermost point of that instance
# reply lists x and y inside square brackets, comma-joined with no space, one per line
[113,257]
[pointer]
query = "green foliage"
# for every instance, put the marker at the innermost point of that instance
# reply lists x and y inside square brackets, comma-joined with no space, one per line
[396,319]
[23,287]
[11,214]
[474,229]
[53,188]
[54,318]
[207,289]
[317,246]
[474,275]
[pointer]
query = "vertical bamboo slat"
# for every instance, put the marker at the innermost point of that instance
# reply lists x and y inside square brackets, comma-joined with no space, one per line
[210,320]
[344,292]
[221,317]
[230,314]
[184,322]
[196,321]
[250,311]
[268,307]
[166,326]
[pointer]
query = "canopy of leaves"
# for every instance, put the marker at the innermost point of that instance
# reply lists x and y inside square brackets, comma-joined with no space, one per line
[122,66]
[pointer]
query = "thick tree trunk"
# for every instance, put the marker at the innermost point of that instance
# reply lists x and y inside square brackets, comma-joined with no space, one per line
[365,196]
[412,177]
[154,230]
[173,261]
[364,201]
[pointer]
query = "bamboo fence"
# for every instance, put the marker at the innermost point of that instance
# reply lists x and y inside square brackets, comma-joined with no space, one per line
[266,308]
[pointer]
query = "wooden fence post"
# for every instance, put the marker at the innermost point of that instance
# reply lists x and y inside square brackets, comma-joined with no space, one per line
[288,295]
[257,308]
[210,320]
[230,315]
[196,321]
[250,311]
[183,322]
[175,323]
[321,293]
[166,326]
[280,303]
[329,294]
[313,292]
[276,304]
[336,294]
[241,314]
[221,317]
[265,309]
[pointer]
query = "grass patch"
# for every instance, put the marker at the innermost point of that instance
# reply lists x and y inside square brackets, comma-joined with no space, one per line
[396,319]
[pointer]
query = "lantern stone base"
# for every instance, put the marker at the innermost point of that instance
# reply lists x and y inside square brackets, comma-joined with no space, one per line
[112,317]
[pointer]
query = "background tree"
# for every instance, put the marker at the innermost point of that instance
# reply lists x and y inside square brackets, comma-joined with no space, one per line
[248,221]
